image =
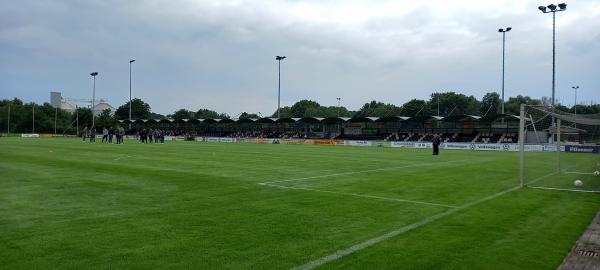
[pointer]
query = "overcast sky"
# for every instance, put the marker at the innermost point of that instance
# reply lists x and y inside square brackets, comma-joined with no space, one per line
[221,54]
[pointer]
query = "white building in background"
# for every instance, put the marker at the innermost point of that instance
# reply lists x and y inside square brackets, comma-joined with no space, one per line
[103,105]
[70,104]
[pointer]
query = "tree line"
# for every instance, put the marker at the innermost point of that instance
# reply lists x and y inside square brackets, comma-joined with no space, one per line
[49,119]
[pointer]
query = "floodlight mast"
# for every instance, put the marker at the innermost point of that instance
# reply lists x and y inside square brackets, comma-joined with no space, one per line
[503,31]
[279,58]
[130,62]
[93,74]
[553,9]
[575,105]
[8,121]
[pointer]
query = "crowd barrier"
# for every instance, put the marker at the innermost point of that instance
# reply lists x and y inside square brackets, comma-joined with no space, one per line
[502,147]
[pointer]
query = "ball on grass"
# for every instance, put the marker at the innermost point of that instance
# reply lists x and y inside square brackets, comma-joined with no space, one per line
[597,173]
[578,183]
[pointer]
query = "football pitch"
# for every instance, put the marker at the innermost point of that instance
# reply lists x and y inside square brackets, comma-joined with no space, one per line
[68,204]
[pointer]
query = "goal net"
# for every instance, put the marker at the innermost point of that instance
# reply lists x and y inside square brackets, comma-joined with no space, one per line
[559,150]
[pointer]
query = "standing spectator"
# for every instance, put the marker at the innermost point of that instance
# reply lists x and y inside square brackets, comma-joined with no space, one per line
[93,134]
[111,132]
[84,133]
[143,135]
[118,134]
[121,133]
[150,133]
[104,135]
[436,144]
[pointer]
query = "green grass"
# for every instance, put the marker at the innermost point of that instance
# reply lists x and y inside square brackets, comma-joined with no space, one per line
[65,204]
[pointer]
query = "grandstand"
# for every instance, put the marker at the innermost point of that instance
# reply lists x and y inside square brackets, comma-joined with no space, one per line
[500,128]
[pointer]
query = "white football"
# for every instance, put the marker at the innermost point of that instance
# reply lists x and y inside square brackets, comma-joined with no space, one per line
[578,183]
[596,173]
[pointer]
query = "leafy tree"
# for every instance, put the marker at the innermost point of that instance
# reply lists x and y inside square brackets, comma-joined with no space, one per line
[586,109]
[206,114]
[85,117]
[105,119]
[139,110]
[490,104]
[182,114]
[415,107]
[513,105]
[21,118]
[246,115]
[309,108]
[378,109]
[284,112]
[453,103]
[305,108]
[154,115]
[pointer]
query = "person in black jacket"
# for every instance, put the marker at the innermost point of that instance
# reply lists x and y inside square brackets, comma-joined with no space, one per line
[436,144]
[111,133]
[93,134]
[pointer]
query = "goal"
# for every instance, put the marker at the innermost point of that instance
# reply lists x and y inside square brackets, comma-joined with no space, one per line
[559,150]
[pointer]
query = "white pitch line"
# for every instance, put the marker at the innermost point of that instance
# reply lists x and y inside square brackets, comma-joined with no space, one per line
[122,157]
[360,246]
[577,172]
[359,195]
[566,189]
[358,172]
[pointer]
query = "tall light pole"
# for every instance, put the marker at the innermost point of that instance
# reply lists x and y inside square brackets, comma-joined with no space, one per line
[552,9]
[503,31]
[94,74]
[279,58]
[575,106]
[339,107]
[8,122]
[77,121]
[130,62]
[55,116]
[438,103]
[32,117]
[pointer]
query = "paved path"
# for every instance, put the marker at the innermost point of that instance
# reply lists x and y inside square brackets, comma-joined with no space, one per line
[585,255]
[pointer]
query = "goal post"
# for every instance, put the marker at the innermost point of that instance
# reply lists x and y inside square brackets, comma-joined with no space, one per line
[558,150]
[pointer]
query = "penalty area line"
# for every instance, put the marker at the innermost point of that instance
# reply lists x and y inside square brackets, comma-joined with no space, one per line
[365,171]
[359,195]
[360,246]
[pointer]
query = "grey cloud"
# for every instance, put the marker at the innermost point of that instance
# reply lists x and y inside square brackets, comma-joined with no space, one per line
[220,55]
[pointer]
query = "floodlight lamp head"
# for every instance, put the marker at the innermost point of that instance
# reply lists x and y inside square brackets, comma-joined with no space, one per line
[279,58]
[542,8]
[552,7]
[94,73]
[508,29]
[562,6]
[500,30]
[131,61]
